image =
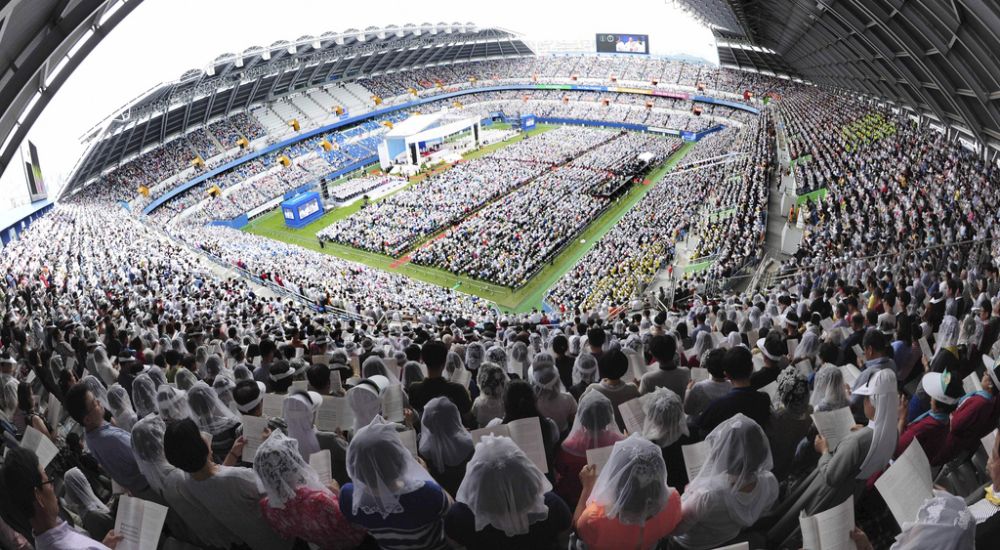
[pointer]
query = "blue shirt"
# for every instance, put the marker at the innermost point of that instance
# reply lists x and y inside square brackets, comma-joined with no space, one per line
[112,447]
[420,524]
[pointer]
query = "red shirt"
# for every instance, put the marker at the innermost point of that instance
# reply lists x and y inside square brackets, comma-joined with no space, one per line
[931,434]
[313,516]
[975,417]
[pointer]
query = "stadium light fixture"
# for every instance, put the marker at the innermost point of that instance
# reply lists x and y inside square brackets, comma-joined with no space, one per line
[10,138]
[110,12]
[79,43]
[51,76]
[28,108]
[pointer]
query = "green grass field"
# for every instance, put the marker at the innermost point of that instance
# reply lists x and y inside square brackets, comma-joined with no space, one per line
[529,296]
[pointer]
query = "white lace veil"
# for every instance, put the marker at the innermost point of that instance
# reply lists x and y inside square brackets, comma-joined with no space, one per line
[121,408]
[444,442]
[79,495]
[365,404]
[503,488]
[632,487]
[828,389]
[185,379]
[739,455]
[172,404]
[584,368]
[943,523]
[299,410]
[147,446]
[594,425]
[97,388]
[209,412]
[665,420]
[144,395]
[381,469]
[281,470]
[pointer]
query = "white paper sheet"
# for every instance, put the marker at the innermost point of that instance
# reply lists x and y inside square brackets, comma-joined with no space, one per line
[695,456]
[972,383]
[989,442]
[834,425]
[139,522]
[409,440]
[632,415]
[392,403]
[793,345]
[43,447]
[336,384]
[851,373]
[907,483]
[515,367]
[599,457]
[699,373]
[737,546]
[320,461]
[334,415]
[827,324]
[273,405]
[830,529]
[925,349]
[771,390]
[526,433]
[253,429]
[53,412]
[860,353]
[461,376]
[320,359]
[302,385]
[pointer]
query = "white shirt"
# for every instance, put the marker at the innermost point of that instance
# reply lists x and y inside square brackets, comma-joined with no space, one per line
[62,537]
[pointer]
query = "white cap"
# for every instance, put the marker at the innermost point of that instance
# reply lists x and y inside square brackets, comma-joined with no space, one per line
[934,384]
[882,382]
[991,365]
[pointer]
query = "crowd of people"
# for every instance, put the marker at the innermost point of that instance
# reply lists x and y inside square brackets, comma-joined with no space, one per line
[164,383]
[508,241]
[392,226]
[359,187]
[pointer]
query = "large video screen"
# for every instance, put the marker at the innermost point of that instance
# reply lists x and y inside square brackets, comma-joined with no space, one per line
[612,42]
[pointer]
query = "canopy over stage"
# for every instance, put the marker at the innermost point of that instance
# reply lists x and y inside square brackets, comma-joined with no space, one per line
[404,144]
[302,209]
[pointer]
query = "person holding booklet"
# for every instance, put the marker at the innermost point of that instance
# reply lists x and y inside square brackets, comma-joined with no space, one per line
[584,374]
[434,354]
[391,495]
[742,399]
[843,471]
[295,503]
[731,491]
[977,414]
[30,503]
[505,501]
[700,394]
[520,402]
[613,365]
[790,422]
[444,444]
[931,428]
[299,410]
[664,372]
[666,426]
[213,418]
[594,427]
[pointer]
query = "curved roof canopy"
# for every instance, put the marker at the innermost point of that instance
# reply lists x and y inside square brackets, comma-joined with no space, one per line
[936,57]
[233,82]
[41,43]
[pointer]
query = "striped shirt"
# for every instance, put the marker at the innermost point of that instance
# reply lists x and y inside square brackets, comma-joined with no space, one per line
[420,525]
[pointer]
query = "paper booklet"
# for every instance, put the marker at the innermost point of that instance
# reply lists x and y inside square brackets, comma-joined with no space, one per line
[793,345]
[925,349]
[695,456]
[43,447]
[850,373]
[907,484]
[336,384]
[599,457]
[392,403]
[515,367]
[319,359]
[334,415]
[834,425]
[300,385]
[253,430]
[829,530]
[526,433]
[971,383]
[409,440]
[139,522]
[393,366]
[53,412]
[636,364]
[737,546]
[771,390]
[860,353]
[320,461]
[273,405]
[633,415]
[699,373]
[989,442]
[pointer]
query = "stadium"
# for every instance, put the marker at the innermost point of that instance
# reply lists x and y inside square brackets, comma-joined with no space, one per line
[458,285]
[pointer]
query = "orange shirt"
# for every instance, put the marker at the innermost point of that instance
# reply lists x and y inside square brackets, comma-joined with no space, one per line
[600,532]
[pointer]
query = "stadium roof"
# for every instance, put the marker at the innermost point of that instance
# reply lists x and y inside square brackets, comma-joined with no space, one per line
[235,82]
[937,57]
[41,43]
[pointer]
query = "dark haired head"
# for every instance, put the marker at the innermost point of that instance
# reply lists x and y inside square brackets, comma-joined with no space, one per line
[184,446]
[560,345]
[663,347]
[19,478]
[612,365]
[714,362]
[738,363]
[596,337]
[318,376]
[434,354]
[519,401]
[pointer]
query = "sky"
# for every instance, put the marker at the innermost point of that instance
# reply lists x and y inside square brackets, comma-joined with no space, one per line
[161,39]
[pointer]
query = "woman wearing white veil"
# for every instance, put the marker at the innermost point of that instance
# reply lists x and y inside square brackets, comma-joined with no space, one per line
[842,472]
[391,494]
[584,374]
[732,489]
[172,404]
[629,505]
[553,401]
[491,381]
[505,501]
[295,503]
[213,418]
[121,408]
[444,443]
[593,427]
[81,500]
[144,395]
